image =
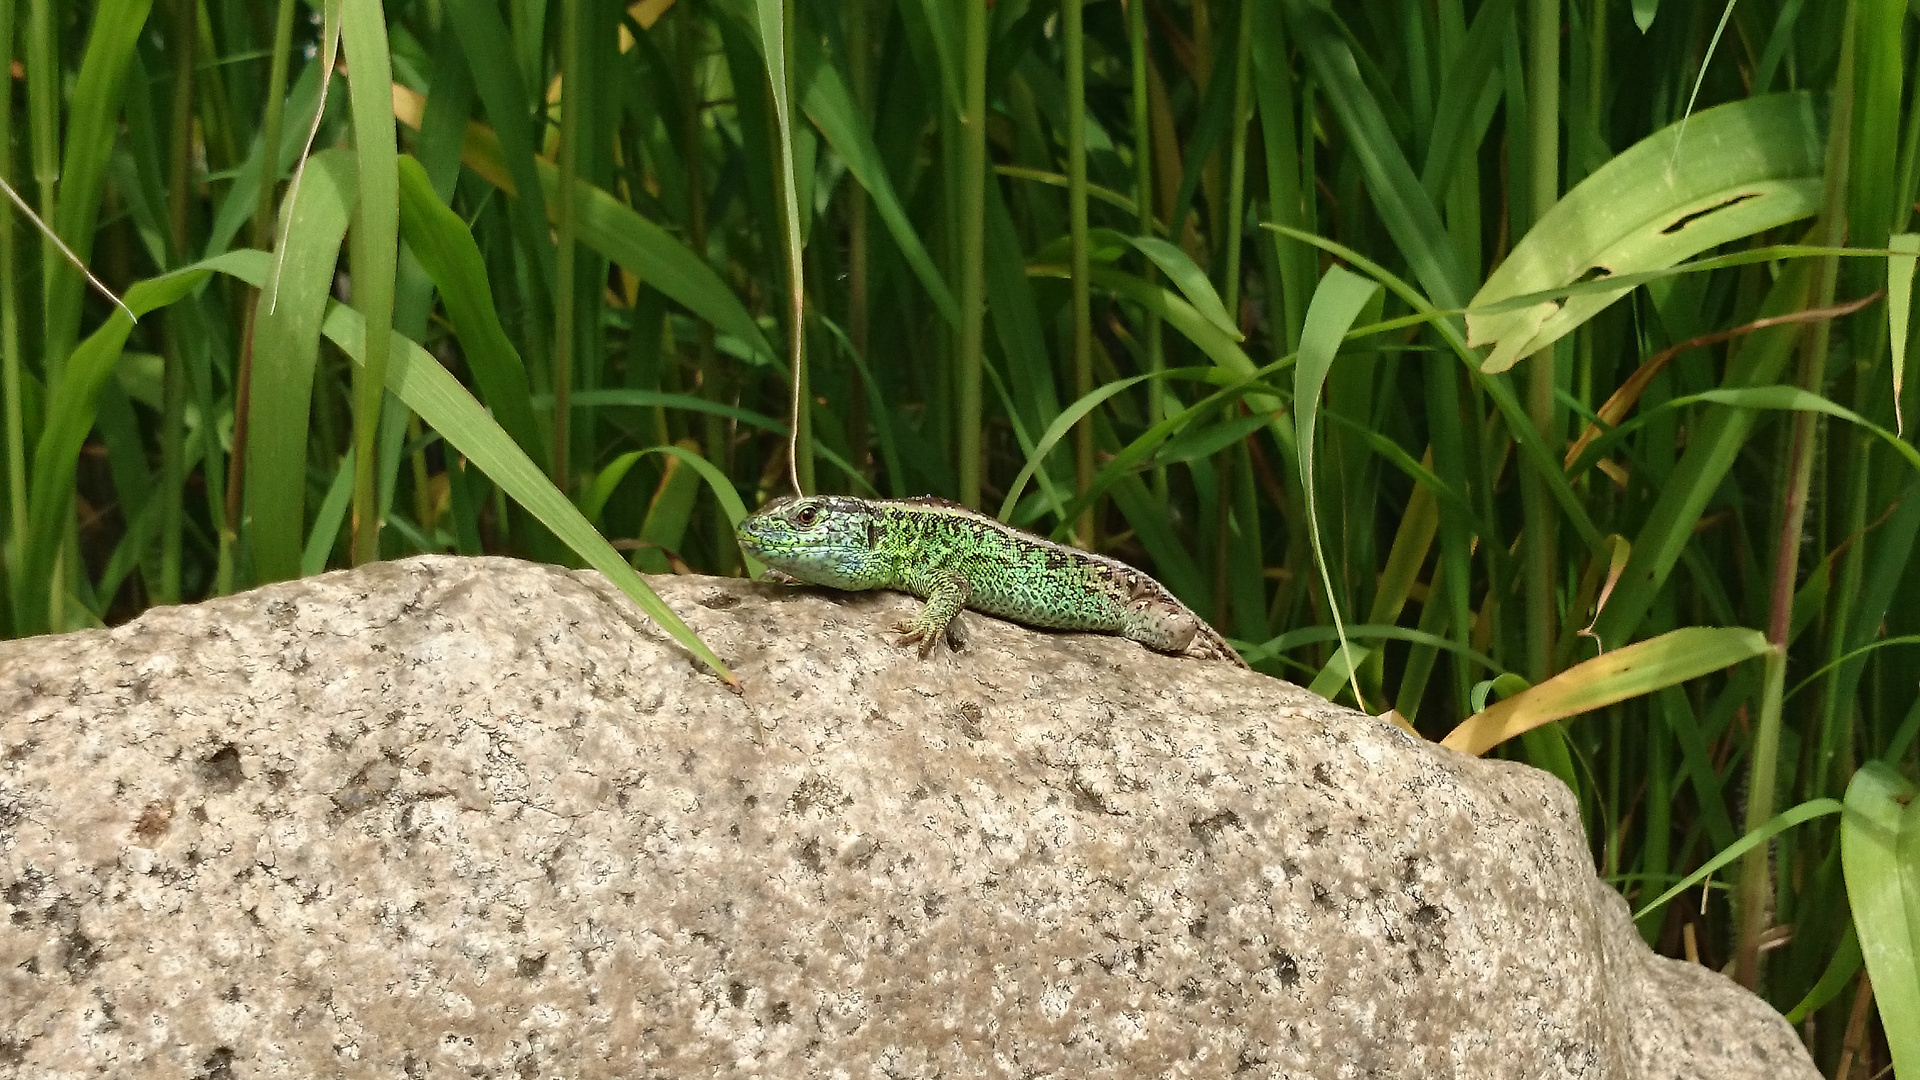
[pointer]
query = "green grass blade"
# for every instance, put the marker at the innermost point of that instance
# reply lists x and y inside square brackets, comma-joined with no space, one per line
[286,347]
[374,248]
[1405,208]
[327,520]
[830,106]
[92,125]
[70,413]
[1780,823]
[1880,848]
[1745,167]
[1338,301]
[444,245]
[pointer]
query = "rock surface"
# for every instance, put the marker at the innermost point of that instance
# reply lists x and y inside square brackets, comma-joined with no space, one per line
[452,818]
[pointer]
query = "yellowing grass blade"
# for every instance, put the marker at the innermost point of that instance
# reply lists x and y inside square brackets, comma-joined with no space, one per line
[1637,669]
[1746,166]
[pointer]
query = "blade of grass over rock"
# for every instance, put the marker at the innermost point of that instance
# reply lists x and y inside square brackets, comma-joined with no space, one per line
[417,379]
[1340,298]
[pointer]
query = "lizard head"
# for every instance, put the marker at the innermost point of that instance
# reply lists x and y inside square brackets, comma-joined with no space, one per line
[821,539]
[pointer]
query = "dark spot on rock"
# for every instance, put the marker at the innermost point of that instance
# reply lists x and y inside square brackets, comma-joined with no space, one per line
[1198,927]
[79,954]
[10,809]
[155,818]
[530,967]
[413,1068]
[970,715]
[1207,830]
[781,1013]
[232,993]
[932,905]
[1321,897]
[1317,835]
[220,770]
[277,778]
[1285,968]
[1322,775]
[1427,915]
[816,791]
[1087,800]
[736,994]
[717,600]
[217,1066]
[12,1053]
[811,855]
[374,781]
[1190,992]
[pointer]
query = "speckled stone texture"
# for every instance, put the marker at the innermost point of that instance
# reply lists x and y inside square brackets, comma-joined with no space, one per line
[476,818]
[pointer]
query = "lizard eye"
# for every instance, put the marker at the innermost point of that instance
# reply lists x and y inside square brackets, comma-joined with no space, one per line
[807,516]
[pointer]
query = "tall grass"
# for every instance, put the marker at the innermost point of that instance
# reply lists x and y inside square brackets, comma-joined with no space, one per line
[1186,280]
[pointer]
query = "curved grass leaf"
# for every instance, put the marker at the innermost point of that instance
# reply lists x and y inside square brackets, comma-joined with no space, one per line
[91,130]
[616,231]
[71,407]
[1637,669]
[443,244]
[1780,823]
[1880,850]
[1338,300]
[1746,166]
[417,379]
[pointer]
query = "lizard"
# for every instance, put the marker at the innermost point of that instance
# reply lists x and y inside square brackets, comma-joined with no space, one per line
[954,558]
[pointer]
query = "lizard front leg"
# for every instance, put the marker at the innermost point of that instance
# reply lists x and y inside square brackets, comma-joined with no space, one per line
[947,594]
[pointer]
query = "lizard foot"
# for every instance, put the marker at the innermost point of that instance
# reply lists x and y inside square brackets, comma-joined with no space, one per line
[924,636]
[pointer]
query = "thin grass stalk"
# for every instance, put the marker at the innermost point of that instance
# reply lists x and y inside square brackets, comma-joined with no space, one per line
[182,37]
[860,75]
[43,128]
[571,97]
[1143,200]
[973,242]
[1082,299]
[10,382]
[1756,882]
[1542,560]
[1237,159]
[689,42]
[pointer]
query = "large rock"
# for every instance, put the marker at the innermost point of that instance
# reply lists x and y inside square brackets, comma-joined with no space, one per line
[451,818]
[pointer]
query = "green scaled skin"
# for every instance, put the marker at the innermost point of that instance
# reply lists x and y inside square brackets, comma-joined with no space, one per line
[955,559]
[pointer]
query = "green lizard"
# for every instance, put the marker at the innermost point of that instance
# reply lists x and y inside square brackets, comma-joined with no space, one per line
[954,558]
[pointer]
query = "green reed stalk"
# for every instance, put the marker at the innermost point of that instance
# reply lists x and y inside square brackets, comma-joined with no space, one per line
[1754,906]
[572,104]
[973,243]
[10,383]
[1542,559]
[1076,61]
